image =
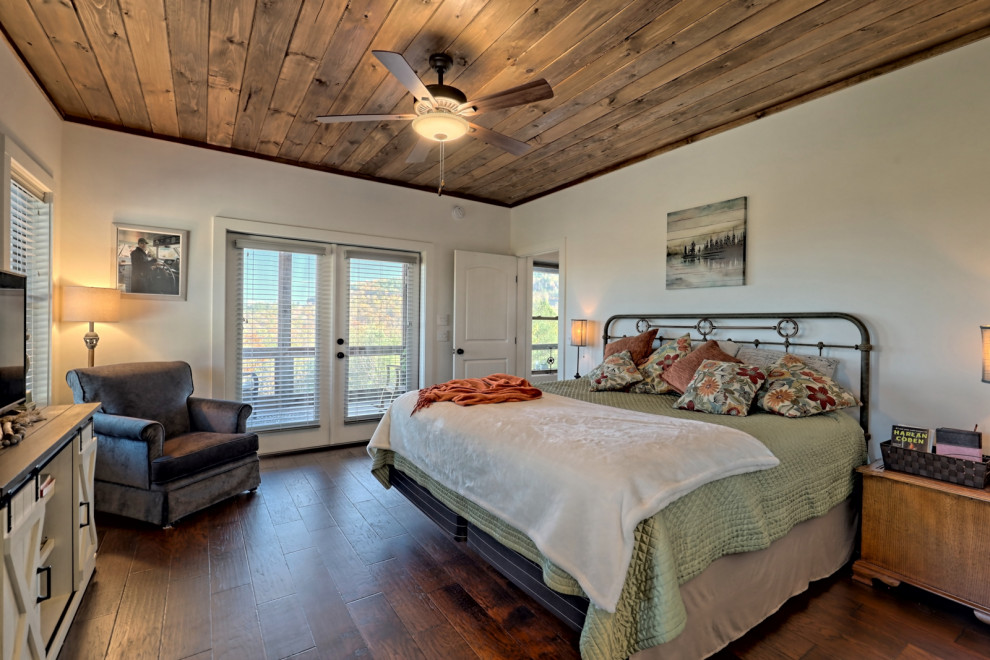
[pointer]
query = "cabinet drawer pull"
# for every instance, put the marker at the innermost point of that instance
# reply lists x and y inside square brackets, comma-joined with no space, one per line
[48,583]
[85,524]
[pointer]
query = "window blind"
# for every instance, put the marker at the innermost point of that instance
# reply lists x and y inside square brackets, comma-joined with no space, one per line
[383,330]
[278,351]
[30,255]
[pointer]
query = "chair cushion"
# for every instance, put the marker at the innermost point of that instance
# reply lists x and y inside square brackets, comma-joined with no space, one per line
[189,453]
[147,390]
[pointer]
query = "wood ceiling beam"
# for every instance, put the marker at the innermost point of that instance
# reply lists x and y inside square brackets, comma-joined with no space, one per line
[230,32]
[108,39]
[189,45]
[271,31]
[318,23]
[147,38]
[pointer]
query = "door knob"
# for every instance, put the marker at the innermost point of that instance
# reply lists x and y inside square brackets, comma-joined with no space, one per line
[460,351]
[341,355]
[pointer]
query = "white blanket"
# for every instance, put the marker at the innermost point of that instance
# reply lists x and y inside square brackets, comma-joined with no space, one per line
[556,469]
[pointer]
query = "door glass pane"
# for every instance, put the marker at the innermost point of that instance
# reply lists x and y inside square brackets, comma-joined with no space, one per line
[383,333]
[278,338]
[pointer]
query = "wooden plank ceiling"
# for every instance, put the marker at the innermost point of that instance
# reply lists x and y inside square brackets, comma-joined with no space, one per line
[631,78]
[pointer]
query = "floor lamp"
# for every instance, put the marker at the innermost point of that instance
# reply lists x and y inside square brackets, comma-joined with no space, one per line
[90,305]
[579,338]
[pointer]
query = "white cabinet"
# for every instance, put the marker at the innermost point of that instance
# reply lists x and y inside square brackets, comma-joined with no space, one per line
[49,540]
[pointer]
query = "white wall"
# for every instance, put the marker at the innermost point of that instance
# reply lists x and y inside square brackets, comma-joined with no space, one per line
[115,177]
[26,116]
[874,200]
[30,144]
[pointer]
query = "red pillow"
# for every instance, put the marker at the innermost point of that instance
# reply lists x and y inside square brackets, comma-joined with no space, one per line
[640,346]
[680,374]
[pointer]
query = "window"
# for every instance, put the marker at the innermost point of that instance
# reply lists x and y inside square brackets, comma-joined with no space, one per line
[382,291]
[546,289]
[30,255]
[278,319]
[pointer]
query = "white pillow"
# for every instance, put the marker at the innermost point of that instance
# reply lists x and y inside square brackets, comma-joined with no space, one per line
[729,347]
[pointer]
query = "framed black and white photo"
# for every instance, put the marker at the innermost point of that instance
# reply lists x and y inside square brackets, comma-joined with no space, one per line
[706,245]
[150,261]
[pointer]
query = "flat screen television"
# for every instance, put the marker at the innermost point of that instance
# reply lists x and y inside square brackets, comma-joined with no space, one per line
[13,340]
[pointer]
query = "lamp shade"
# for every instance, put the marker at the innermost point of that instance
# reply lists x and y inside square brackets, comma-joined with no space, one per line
[579,332]
[90,304]
[985,329]
[440,126]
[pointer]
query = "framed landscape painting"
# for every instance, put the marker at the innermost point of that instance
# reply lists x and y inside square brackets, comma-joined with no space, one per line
[150,262]
[706,245]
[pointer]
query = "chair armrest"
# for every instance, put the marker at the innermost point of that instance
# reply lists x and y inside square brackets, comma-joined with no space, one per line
[218,415]
[126,448]
[130,428]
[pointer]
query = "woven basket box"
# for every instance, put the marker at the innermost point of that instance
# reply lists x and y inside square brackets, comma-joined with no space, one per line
[944,468]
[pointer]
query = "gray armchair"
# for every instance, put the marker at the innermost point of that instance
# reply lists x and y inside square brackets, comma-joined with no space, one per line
[162,453]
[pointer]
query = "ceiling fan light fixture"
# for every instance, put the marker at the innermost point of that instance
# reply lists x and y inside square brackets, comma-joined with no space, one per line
[440,126]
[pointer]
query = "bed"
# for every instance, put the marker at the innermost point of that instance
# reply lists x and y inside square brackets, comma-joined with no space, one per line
[715,562]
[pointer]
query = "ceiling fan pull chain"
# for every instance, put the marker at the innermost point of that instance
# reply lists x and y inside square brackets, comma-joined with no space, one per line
[440,189]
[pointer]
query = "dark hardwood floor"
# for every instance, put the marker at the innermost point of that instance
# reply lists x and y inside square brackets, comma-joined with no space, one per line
[322,562]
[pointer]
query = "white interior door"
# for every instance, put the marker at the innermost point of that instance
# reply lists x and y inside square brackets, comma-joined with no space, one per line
[485,290]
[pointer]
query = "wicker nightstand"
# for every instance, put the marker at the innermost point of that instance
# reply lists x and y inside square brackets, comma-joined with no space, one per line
[932,534]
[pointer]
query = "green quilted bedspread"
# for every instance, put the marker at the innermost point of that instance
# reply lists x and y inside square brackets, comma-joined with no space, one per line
[736,514]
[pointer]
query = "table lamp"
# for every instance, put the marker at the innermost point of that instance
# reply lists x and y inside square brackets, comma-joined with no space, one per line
[93,305]
[579,338]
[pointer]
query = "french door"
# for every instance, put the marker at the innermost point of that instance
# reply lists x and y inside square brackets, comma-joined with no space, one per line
[376,345]
[323,337]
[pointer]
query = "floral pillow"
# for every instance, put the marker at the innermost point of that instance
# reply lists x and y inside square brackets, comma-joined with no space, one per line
[657,363]
[795,390]
[617,372]
[639,346]
[723,388]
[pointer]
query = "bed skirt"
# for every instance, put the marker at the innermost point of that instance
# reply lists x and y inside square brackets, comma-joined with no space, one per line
[734,594]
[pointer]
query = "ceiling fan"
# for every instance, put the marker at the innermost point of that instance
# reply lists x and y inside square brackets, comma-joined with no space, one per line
[441,110]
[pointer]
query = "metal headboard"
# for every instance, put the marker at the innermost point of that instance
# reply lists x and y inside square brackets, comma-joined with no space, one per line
[786,326]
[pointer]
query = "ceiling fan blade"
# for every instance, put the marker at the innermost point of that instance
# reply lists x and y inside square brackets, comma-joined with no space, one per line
[337,119]
[537,90]
[420,151]
[503,142]
[399,67]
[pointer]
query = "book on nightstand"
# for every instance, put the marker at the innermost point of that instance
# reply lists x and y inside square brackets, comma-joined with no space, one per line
[911,437]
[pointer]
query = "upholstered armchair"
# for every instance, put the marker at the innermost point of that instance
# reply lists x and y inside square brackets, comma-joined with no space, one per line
[162,453]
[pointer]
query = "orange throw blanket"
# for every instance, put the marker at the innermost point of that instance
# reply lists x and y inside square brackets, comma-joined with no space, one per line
[496,388]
